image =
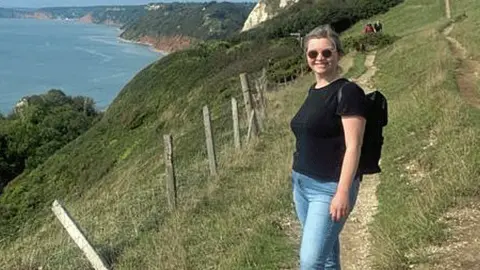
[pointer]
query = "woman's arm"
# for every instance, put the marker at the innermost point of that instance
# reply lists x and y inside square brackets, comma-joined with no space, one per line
[354,128]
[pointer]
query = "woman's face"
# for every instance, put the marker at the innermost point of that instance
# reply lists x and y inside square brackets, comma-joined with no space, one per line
[322,56]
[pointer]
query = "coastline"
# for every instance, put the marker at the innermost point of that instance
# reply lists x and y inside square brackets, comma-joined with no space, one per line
[162,45]
[150,45]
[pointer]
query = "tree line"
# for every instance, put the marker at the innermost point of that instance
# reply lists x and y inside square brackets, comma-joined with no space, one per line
[38,126]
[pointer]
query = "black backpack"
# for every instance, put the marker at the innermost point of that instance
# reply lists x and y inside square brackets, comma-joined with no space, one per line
[377,118]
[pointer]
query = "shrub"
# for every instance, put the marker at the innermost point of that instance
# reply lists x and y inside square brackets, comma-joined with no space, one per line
[368,42]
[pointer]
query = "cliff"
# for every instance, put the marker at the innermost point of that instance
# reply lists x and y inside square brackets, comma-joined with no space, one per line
[39,15]
[265,10]
[167,44]
[87,18]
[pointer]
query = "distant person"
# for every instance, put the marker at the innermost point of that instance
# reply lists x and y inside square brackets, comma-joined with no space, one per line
[329,131]
[368,28]
[377,26]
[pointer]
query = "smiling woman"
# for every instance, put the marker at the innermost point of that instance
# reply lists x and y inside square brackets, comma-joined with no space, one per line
[79,59]
[329,133]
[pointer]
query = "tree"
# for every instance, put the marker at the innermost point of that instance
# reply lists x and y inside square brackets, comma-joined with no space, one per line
[39,128]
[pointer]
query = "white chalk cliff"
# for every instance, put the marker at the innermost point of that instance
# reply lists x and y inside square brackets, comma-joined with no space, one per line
[265,10]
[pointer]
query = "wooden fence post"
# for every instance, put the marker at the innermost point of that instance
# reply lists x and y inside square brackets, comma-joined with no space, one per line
[247,97]
[78,236]
[260,109]
[448,12]
[250,125]
[170,173]
[236,127]
[209,139]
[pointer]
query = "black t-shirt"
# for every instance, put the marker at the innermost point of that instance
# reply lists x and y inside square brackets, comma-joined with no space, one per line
[318,129]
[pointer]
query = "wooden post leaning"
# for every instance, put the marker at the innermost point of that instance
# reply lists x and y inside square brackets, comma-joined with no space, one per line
[209,140]
[448,11]
[250,126]
[170,178]
[97,261]
[247,97]
[236,126]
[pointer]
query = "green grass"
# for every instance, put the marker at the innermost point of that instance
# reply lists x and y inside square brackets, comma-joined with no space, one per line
[431,156]
[111,178]
[406,18]
[358,67]
[431,151]
[467,31]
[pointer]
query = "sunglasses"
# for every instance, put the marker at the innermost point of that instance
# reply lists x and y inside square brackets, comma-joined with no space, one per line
[326,53]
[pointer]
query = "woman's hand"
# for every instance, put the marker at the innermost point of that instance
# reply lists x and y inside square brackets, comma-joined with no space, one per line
[340,206]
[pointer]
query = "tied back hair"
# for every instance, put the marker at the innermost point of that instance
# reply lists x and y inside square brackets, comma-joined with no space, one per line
[325,31]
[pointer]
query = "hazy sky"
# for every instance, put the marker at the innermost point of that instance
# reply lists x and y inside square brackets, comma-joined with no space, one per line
[57,3]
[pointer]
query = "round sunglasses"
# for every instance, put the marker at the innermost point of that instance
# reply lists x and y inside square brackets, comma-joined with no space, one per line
[326,53]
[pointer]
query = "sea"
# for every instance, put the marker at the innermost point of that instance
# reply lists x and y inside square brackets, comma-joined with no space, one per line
[77,58]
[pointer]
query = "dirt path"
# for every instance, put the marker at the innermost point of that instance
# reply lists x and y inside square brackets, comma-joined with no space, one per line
[461,250]
[468,71]
[355,238]
[365,79]
[347,61]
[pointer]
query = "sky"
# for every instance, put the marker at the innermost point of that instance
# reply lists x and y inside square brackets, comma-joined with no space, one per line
[57,3]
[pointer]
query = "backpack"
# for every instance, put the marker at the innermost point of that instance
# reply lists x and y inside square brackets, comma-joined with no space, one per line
[377,118]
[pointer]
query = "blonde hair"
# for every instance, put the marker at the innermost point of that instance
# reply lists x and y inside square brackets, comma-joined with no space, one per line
[324,31]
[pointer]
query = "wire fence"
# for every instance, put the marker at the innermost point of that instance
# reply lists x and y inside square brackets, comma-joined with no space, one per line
[217,130]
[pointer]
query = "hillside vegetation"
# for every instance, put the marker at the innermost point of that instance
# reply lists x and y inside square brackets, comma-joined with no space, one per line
[196,20]
[431,158]
[111,178]
[37,128]
[306,15]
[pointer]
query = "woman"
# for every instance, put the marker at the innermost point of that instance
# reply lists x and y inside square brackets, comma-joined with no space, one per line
[329,132]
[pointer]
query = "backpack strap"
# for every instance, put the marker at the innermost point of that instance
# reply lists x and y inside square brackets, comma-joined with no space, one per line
[339,93]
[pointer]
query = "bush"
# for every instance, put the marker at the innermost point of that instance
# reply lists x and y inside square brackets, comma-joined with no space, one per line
[367,42]
[285,69]
[36,130]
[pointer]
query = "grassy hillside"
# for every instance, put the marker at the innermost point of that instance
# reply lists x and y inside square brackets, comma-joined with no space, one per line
[431,157]
[197,20]
[111,178]
[123,153]
[465,30]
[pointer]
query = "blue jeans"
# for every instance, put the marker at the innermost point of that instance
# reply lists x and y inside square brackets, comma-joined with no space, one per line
[320,247]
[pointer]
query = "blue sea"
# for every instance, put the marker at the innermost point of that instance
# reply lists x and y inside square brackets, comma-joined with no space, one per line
[77,58]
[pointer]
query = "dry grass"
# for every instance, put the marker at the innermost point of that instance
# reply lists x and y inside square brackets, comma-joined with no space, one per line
[429,127]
